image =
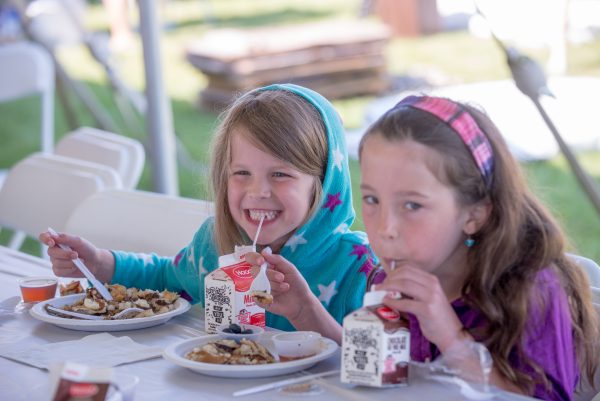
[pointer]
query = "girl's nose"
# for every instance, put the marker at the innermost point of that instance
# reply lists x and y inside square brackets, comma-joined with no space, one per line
[259,188]
[387,225]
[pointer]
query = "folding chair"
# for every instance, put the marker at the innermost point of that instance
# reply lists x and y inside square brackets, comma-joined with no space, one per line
[591,268]
[26,69]
[125,155]
[42,190]
[109,176]
[139,221]
[587,393]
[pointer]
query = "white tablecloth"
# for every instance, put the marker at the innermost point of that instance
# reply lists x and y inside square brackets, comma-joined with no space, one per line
[161,380]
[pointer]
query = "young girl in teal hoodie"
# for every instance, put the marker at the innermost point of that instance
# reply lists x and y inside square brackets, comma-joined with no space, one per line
[279,155]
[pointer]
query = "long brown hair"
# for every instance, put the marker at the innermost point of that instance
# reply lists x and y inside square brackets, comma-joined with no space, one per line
[519,239]
[280,123]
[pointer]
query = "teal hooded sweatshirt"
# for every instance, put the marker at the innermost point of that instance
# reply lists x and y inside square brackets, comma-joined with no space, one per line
[334,260]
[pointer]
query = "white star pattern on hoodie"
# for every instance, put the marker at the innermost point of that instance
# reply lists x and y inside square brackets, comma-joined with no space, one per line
[327,292]
[146,257]
[338,158]
[201,269]
[294,241]
[342,228]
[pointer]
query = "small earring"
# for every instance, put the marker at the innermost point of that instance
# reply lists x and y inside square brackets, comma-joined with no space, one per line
[469,242]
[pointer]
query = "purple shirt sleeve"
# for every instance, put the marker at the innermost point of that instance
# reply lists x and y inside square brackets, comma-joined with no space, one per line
[547,341]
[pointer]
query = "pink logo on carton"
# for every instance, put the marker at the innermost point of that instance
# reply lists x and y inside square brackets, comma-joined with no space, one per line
[240,274]
[388,314]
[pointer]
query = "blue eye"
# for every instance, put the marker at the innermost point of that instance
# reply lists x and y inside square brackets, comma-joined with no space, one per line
[412,206]
[370,200]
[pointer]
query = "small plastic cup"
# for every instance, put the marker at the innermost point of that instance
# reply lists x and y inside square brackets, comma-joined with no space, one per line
[37,289]
[297,345]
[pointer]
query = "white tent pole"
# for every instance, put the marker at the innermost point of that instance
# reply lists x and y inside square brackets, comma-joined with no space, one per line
[159,116]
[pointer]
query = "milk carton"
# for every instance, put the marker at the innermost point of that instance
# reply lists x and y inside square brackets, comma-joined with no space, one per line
[375,345]
[226,296]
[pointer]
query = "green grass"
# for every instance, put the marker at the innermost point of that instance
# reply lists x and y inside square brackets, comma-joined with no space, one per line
[445,58]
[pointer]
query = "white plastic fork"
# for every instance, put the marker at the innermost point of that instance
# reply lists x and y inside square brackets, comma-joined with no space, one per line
[84,316]
[261,282]
[86,272]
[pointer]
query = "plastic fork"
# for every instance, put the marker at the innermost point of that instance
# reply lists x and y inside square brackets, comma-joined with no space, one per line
[261,282]
[84,316]
[86,272]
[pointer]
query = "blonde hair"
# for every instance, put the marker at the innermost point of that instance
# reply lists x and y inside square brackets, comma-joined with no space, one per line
[518,240]
[279,123]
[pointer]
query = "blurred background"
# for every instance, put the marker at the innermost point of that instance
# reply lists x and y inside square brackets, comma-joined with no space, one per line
[361,54]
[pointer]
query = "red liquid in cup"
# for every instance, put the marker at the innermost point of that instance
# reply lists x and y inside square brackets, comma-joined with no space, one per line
[37,289]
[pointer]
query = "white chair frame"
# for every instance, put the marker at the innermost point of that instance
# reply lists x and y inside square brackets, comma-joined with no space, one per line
[139,221]
[126,155]
[43,189]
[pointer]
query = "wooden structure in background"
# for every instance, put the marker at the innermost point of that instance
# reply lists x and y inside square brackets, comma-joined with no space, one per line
[409,17]
[337,59]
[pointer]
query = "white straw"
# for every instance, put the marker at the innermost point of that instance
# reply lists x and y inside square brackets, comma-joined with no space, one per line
[258,231]
[393,265]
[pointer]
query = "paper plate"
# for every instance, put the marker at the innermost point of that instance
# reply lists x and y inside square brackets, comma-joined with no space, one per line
[175,353]
[39,312]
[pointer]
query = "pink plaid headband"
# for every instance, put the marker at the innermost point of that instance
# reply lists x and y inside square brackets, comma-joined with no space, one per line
[463,124]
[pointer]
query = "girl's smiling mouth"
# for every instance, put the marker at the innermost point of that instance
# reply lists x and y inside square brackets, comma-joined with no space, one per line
[254,215]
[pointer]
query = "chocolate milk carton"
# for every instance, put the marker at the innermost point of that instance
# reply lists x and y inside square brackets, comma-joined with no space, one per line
[226,296]
[375,345]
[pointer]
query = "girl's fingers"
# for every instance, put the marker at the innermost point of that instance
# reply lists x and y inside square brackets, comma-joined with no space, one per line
[275,276]
[254,258]
[412,306]
[61,254]
[280,263]
[408,288]
[66,271]
[412,282]
[277,288]
[412,273]
[46,239]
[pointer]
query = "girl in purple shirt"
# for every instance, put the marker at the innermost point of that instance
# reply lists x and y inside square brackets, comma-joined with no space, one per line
[475,256]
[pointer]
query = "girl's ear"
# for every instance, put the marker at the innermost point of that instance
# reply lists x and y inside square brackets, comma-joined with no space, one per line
[477,216]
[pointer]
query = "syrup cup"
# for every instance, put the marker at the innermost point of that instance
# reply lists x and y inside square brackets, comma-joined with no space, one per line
[36,289]
[296,345]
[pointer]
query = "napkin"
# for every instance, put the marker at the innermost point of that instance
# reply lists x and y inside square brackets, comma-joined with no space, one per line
[103,350]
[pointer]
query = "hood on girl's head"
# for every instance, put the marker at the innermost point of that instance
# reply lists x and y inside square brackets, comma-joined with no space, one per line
[335,213]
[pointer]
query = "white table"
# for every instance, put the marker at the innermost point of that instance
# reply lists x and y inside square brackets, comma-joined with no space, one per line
[161,380]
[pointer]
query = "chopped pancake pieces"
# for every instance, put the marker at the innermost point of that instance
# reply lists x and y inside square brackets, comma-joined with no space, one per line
[74,287]
[229,352]
[262,297]
[152,302]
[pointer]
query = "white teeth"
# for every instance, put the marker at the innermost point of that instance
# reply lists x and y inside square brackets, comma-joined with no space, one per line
[259,214]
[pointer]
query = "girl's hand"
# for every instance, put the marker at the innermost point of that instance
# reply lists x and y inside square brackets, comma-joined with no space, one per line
[423,296]
[292,297]
[289,288]
[438,321]
[99,261]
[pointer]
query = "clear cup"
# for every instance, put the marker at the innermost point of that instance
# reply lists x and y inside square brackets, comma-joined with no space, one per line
[296,345]
[36,289]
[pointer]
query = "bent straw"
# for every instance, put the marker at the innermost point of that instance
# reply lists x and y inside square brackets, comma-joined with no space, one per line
[258,231]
